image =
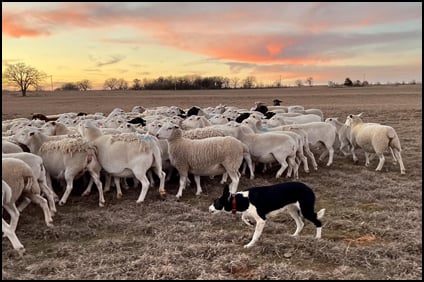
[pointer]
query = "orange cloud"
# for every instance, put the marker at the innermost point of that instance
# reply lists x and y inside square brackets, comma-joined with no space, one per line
[12,26]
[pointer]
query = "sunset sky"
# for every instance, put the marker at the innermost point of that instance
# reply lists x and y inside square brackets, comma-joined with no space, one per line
[381,42]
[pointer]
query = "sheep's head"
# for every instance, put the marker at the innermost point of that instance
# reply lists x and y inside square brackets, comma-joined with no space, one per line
[353,119]
[168,131]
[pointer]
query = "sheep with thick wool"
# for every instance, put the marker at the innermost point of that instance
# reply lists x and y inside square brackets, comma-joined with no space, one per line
[374,138]
[65,158]
[21,180]
[204,157]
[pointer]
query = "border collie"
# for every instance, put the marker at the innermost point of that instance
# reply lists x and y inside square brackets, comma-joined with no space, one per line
[260,203]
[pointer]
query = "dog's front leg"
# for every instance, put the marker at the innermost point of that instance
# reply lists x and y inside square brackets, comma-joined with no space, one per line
[260,224]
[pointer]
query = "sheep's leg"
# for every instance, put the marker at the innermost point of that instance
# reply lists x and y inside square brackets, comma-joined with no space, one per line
[87,191]
[14,215]
[49,184]
[367,159]
[235,179]
[330,157]
[303,159]
[25,202]
[141,175]
[108,181]
[260,224]
[311,156]
[355,158]
[49,195]
[96,178]
[295,166]
[183,180]
[11,235]
[224,178]
[248,161]
[44,206]
[69,186]
[399,158]
[282,161]
[294,213]
[393,155]
[381,162]
[199,188]
[150,177]
[117,181]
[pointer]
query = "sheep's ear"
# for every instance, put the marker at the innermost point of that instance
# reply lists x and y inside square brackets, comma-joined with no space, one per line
[336,119]
[31,133]
[54,123]
[176,126]
[360,114]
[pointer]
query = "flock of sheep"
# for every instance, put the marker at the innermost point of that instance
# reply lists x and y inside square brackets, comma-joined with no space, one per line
[222,140]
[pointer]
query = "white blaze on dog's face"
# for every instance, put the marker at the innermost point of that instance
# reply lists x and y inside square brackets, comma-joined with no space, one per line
[222,202]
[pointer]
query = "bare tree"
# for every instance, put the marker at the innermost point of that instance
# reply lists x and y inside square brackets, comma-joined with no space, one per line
[309,81]
[84,85]
[235,81]
[23,76]
[249,82]
[111,83]
[137,84]
[298,83]
[122,84]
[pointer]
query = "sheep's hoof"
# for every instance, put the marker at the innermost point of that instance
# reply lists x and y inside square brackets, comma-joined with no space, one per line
[119,195]
[50,225]
[101,204]
[403,172]
[138,202]
[248,246]
[85,194]
[61,203]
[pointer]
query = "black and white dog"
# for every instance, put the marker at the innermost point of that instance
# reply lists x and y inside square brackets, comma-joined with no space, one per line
[267,201]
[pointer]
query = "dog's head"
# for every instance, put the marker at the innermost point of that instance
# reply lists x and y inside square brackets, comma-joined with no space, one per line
[223,202]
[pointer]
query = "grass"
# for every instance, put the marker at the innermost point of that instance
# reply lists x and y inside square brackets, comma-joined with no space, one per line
[372,228]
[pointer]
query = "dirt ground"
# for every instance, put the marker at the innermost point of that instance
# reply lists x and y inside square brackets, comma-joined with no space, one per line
[372,228]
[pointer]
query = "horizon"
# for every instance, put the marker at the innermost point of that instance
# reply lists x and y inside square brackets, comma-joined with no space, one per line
[70,41]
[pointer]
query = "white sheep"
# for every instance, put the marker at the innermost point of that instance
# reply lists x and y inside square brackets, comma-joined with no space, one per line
[127,155]
[10,206]
[269,148]
[65,158]
[36,164]
[343,133]
[203,157]
[21,180]
[374,138]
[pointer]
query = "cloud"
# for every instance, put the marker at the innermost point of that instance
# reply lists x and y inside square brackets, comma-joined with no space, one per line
[100,62]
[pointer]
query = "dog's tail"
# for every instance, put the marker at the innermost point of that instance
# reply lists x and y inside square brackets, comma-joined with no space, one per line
[321,213]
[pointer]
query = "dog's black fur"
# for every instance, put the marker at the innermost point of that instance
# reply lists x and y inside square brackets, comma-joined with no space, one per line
[268,199]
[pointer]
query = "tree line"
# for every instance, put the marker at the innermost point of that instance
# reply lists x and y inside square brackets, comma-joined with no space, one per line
[24,76]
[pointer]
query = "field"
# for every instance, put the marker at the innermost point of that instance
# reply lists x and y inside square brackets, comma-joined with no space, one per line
[372,228]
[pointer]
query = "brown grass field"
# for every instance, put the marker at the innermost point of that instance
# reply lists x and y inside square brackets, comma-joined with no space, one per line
[372,228]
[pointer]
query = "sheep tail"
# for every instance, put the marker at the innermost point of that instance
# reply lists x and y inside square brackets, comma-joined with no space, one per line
[393,139]
[31,185]
[91,155]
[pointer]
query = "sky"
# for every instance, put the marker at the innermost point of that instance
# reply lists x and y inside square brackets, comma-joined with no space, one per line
[72,41]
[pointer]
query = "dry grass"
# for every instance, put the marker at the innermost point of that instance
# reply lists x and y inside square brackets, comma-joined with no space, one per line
[372,228]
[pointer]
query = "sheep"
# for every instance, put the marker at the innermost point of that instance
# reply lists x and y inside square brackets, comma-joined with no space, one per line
[270,147]
[343,133]
[374,138]
[318,132]
[36,164]
[195,122]
[127,154]
[56,128]
[209,156]
[21,180]
[65,158]
[256,125]
[9,204]
[10,147]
